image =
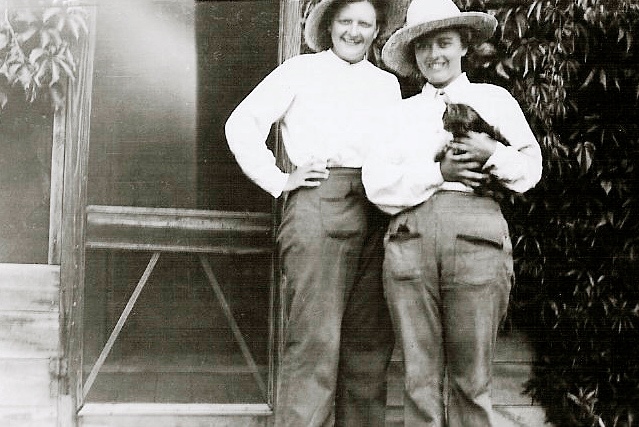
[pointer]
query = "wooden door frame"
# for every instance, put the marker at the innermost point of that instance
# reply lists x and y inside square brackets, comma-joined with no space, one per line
[68,217]
[73,123]
[290,43]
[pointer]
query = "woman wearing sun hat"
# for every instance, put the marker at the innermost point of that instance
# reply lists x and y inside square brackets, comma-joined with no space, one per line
[448,262]
[338,338]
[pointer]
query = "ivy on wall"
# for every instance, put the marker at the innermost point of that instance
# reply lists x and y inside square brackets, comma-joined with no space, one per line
[574,67]
[37,48]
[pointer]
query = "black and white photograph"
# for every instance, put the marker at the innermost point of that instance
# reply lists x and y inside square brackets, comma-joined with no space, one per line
[319,213]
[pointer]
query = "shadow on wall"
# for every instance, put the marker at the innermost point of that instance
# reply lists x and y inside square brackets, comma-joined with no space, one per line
[25,167]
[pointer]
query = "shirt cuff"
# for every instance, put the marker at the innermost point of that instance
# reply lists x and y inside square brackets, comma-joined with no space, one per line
[278,185]
[437,173]
[499,157]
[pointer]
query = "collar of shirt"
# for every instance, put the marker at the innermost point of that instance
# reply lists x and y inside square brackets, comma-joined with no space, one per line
[457,86]
[332,58]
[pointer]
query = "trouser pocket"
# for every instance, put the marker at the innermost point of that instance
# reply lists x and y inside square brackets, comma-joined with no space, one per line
[342,210]
[403,253]
[483,255]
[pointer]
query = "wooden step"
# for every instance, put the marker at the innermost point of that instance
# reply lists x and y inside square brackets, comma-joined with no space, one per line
[511,369]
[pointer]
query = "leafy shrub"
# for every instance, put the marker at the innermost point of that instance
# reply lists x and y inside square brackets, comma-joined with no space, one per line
[573,66]
[36,48]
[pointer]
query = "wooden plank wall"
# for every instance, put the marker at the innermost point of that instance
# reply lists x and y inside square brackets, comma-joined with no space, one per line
[29,344]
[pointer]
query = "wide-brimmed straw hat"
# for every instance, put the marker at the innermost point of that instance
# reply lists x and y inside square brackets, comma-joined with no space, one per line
[315,30]
[425,16]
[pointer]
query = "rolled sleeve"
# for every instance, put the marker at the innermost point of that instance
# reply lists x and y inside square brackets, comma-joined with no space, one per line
[517,169]
[518,166]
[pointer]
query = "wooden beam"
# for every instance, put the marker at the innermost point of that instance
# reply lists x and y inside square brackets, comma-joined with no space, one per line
[178,230]
[28,334]
[173,420]
[289,46]
[171,415]
[174,409]
[25,382]
[29,287]
[29,344]
[57,180]
[290,29]
[78,113]
[237,333]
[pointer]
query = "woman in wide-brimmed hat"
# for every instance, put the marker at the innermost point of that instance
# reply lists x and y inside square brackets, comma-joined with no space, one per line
[448,263]
[425,17]
[337,332]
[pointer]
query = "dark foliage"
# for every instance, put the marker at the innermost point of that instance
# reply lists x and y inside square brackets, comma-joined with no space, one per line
[573,66]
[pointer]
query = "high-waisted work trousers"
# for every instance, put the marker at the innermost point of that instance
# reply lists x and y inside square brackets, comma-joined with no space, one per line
[338,337]
[448,274]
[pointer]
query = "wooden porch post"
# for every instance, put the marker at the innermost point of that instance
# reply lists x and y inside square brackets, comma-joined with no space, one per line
[290,29]
[76,156]
[290,45]
[57,180]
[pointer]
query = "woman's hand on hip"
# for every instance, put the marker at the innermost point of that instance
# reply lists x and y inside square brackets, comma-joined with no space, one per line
[310,174]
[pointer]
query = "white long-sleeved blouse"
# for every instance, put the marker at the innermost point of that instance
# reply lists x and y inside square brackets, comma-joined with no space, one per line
[326,106]
[401,172]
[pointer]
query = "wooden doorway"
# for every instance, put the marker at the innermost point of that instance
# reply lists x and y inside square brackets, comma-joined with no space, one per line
[155,234]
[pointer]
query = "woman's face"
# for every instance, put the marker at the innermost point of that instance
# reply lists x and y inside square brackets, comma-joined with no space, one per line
[353,30]
[438,56]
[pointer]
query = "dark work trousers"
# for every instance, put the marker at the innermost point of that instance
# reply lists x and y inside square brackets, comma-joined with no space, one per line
[448,274]
[338,337]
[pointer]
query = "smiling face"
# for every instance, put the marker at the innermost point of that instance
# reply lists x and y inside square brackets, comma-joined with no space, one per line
[353,30]
[438,56]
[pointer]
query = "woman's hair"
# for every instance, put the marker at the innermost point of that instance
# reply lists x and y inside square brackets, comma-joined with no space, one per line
[466,36]
[380,14]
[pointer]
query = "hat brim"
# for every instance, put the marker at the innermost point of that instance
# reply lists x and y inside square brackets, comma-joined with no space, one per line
[312,33]
[398,54]
[318,39]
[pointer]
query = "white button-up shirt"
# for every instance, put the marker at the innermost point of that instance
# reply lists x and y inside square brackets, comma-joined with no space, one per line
[326,106]
[402,172]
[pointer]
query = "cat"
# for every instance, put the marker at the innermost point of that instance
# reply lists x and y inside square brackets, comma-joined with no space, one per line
[459,119]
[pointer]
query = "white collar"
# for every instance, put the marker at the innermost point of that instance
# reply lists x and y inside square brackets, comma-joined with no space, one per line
[456,85]
[337,60]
